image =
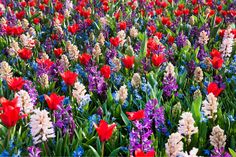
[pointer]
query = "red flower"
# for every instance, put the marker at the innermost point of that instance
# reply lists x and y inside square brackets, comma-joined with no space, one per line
[106,71]
[9,112]
[157,60]
[152,29]
[122,25]
[166,21]
[140,153]
[25,53]
[178,12]
[20,15]
[36,21]
[213,88]
[15,83]
[171,39]
[217,62]
[215,53]
[85,58]
[104,130]
[159,11]
[128,61]
[158,35]
[136,115]
[69,77]
[218,20]
[115,41]
[58,51]
[73,29]
[46,63]
[53,100]
[58,6]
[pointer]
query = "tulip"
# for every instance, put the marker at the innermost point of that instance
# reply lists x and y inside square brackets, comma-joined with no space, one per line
[140,153]
[53,100]
[213,88]
[106,71]
[15,83]
[157,60]
[25,53]
[85,58]
[69,77]
[136,115]
[128,61]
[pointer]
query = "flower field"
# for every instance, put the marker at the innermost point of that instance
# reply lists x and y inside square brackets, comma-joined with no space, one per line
[138,78]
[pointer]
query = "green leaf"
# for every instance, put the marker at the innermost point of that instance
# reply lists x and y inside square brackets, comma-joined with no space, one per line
[94,151]
[115,152]
[125,118]
[232,152]
[195,109]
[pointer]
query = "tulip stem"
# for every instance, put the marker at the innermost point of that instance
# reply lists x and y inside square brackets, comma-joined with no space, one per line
[8,135]
[103,144]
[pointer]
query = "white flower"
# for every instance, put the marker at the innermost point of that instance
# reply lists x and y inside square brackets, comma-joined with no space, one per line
[27,41]
[101,39]
[41,126]
[174,145]
[79,91]
[203,38]
[209,106]
[136,80]
[5,70]
[133,32]
[170,70]
[186,125]
[64,61]
[73,51]
[227,44]
[121,35]
[198,74]
[217,137]
[96,51]
[192,153]
[24,101]
[122,94]
[44,81]
[14,48]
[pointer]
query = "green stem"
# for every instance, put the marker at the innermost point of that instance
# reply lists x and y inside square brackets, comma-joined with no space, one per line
[46,148]
[103,144]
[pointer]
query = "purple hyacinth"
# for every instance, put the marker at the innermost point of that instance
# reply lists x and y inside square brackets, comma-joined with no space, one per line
[64,120]
[181,40]
[140,135]
[219,80]
[169,85]
[28,86]
[34,151]
[191,67]
[96,81]
[220,152]
[201,54]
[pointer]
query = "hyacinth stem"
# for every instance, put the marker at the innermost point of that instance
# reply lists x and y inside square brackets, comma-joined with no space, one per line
[46,148]
[103,144]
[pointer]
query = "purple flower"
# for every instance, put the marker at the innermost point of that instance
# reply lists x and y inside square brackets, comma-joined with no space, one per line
[220,152]
[64,120]
[181,40]
[169,85]
[31,90]
[34,151]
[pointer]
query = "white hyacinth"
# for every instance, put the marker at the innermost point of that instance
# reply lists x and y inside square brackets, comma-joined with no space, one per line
[101,39]
[203,38]
[227,44]
[79,91]
[5,70]
[169,70]
[133,32]
[64,61]
[186,125]
[209,106]
[192,153]
[96,51]
[174,145]
[24,101]
[73,51]
[136,80]
[41,126]
[217,137]
[27,41]
[14,48]
[122,94]
[121,35]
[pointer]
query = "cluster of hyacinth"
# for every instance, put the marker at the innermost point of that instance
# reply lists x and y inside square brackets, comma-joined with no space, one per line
[169,81]
[140,135]
[64,120]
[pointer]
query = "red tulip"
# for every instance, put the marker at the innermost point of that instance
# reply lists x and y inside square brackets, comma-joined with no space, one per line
[106,71]
[20,15]
[128,61]
[122,25]
[73,29]
[104,130]
[115,41]
[85,58]
[9,112]
[25,53]
[36,21]
[217,62]
[46,63]
[69,77]
[215,53]
[218,20]
[53,100]
[136,115]
[171,39]
[58,52]
[213,88]
[15,83]
[157,60]
[140,153]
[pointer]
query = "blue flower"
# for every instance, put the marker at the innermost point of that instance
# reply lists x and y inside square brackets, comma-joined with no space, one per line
[206,152]
[41,98]
[66,101]
[64,87]
[78,152]
[4,153]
